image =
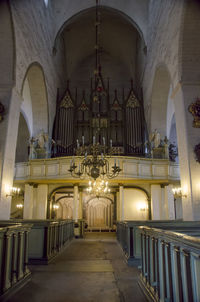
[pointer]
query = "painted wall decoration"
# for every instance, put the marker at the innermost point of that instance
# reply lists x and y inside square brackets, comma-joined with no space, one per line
[194,108]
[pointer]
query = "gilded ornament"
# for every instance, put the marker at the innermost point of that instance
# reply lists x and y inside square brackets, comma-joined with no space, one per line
[194,108]
[67,101]
[132,101]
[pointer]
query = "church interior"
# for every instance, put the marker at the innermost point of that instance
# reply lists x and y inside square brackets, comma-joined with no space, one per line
[99,150]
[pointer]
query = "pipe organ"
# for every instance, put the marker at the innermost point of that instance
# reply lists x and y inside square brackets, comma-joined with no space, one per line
[118,120]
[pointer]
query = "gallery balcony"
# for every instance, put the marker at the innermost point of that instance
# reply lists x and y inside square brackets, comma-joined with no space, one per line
[133,169]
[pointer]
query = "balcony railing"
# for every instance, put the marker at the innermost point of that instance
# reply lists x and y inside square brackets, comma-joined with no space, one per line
[168,253]
[170,265]
[132,168]
[47,238]
[14,269]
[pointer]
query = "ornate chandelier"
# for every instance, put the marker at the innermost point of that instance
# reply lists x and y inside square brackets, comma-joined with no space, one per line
[98,188]
[95,162]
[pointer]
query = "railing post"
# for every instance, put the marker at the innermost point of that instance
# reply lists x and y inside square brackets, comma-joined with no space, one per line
[195,264]
[14,259]
[20,259]
[26,269]
[176,273]
[6,284]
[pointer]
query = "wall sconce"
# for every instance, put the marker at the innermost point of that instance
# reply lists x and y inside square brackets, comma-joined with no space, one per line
[19,206]
[177,192]
[142,207]
[55,207]
[13,191]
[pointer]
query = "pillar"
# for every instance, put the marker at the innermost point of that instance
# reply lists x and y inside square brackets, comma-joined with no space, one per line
[28,202]
[8,141]
[112,213]
[75,204]
[156,197]
[109,216]
[188,137]
[41,208]
[121,203]
[80,208]
[117,206]
[35,186]
[169,203]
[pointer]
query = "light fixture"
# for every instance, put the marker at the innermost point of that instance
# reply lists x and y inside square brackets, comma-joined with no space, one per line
[98,188]
[177,192]
[94,161]
[19,206]
[55,206]
[13,191]
[142,206]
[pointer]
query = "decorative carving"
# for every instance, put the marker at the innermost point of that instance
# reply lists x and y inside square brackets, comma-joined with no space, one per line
[155,139]
[116,106]
[132,101]
[197,152]
[2,111]
[83,106]
[67,101]
[173,152]
[194,108]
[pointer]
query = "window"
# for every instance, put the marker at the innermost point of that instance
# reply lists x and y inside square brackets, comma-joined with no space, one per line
[46,2]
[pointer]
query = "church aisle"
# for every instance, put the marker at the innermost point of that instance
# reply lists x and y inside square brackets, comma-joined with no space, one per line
[90,269]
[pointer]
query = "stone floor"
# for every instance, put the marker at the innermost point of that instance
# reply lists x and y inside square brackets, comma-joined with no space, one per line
[88,270]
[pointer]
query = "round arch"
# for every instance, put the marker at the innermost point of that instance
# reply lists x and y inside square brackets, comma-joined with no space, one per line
[22,140]
[35,104]
[159,99]
[87,10]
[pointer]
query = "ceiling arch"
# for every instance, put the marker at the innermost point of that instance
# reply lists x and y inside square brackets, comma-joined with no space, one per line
[136,12]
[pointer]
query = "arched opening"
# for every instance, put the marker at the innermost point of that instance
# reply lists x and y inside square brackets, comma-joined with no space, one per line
[159,100]
[99,212]
[35,104]
[119,62]
[121,57]
[23,137]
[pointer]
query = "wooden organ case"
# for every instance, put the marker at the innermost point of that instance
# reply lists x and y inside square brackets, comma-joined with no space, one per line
[120,121]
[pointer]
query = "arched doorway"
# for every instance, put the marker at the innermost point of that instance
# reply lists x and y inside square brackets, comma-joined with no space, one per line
[99,212]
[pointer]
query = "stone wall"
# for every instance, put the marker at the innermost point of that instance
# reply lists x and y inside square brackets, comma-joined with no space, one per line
[33,26]
[165,24]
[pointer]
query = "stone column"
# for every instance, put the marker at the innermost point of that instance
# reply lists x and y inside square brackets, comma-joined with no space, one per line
[28,202]
[112,213]
[169,203]
[109,216]
[8,141]
[35,186]
[104,215]
[121,202]
[92,216]
[42,194]
[80,208]
[117,206]
[156,197]
[75,203]
[188,137]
